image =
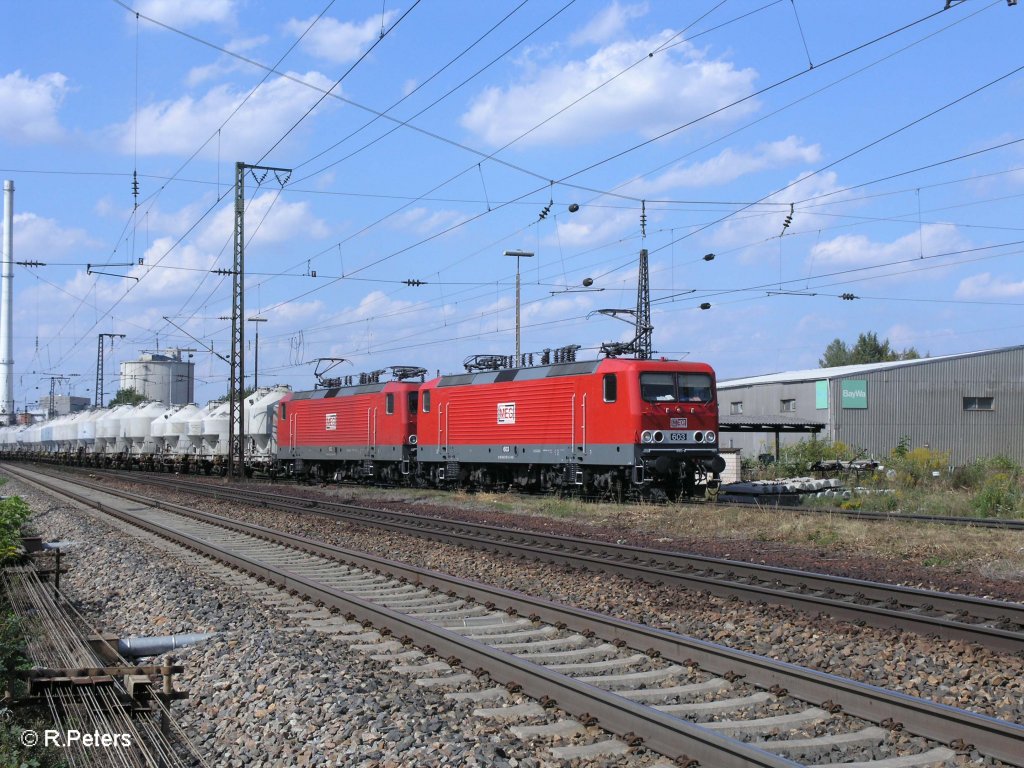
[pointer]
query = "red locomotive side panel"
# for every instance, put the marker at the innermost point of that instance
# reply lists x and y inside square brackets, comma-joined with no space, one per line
[349,431]
[609,402]
[610,419]
[530,412]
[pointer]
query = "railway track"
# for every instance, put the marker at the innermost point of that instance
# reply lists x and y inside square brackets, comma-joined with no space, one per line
[766,502]
[769,503]
[995,624]
[687,699]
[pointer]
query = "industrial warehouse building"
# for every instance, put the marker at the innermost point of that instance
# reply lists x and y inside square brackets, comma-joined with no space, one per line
[970,405]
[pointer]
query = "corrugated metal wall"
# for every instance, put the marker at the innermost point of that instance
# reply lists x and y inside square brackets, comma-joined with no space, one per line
[923,402]
[766,400]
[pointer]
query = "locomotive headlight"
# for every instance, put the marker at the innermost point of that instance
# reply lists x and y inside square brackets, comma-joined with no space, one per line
[698,437]
[710,437]
[646,437]
[659,436]
[412,439]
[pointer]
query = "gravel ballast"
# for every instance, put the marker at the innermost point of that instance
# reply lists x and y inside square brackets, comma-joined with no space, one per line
[268,690]
[954,673]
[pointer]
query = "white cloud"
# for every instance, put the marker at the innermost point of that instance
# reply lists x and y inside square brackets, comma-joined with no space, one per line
[226,65]
[295,311]
[729,165]
[608,23]
[179,127]
[557,309]
[593,225]
[671,88]
[267,222]
[377,320]
[750,229]
[859,250]
[29,113]
[985,286]
[177,276]
[184,13]
[39,239]
[338,41]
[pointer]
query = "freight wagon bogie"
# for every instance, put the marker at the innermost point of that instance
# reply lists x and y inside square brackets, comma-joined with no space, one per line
[345,472]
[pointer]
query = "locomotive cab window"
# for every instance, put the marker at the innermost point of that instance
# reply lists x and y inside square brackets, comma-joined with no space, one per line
[389,403]
[658,387]
[284,411]
[676,387]
[694,387]
[611,388]
[426,401]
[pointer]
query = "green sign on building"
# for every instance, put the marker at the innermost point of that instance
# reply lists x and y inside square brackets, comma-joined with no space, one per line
[855,393]
[821,394]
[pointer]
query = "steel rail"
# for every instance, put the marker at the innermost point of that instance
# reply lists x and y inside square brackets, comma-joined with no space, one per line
[943,614]
[765,502]
[661,732]
[769,503]
[995,738]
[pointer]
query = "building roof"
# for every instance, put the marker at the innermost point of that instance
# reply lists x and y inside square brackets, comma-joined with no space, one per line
[842,371]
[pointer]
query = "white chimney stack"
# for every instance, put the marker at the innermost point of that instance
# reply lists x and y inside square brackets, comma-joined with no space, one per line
[7,415]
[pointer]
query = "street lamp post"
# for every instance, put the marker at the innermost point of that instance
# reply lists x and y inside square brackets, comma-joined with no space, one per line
[256,364]
[519,255]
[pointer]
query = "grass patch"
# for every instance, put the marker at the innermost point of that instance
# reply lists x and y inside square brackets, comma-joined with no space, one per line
[990,553]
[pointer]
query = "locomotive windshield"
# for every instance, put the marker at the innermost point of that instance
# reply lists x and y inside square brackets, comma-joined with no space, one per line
[675,387]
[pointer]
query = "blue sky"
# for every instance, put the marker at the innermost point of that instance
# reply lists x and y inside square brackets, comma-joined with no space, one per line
[892,131]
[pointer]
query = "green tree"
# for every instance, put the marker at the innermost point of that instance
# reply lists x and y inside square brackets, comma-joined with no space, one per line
[867,349]
[128,396]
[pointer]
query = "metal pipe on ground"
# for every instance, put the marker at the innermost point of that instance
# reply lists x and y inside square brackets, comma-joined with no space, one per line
[137,647]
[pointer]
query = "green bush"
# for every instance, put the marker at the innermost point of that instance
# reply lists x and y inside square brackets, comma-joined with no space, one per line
[13,514]
[12,650]
[15,754]
[975,475]
[916,466]
[1000,494]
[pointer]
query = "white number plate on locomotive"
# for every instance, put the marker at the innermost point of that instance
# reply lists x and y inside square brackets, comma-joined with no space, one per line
[678,437]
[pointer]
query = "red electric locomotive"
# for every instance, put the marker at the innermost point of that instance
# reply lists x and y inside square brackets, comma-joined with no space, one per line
[611,427]
[357,431]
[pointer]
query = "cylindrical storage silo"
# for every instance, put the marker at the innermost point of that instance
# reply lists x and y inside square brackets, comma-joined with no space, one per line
[160,376]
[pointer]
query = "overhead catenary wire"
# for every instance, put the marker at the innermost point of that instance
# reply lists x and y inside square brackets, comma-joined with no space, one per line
[619,154]
[833,59]
[235,111]
[339,81]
